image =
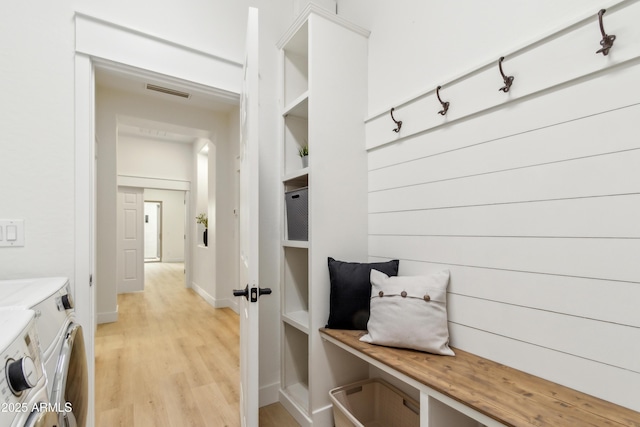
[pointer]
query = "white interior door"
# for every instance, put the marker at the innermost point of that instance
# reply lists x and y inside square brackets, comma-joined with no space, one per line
[152,231]
[248,304]
[130,239]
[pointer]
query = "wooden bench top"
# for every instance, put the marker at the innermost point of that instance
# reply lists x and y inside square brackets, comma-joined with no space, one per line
[510,396]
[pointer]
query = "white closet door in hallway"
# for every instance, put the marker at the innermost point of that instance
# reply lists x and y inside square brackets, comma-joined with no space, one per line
[130,239]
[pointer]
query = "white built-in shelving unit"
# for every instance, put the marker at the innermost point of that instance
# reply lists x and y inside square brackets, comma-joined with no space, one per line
[324,60]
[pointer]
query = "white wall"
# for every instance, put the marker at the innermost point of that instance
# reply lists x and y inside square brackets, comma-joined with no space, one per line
[173,219]
[202,190]
[38,143]
[37,181]
[154,158]
[204,259]
[227,225]
[412,48]
[418,45]
[529,198]
[213,26]
[38,44]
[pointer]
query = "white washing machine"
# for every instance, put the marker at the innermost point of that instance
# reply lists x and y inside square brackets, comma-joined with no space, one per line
[61,342]
[23,392]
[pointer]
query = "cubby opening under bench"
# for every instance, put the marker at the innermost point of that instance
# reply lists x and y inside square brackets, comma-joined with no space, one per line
[470,391]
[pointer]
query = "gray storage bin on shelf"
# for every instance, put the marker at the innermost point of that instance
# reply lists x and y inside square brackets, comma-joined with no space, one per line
[297,202]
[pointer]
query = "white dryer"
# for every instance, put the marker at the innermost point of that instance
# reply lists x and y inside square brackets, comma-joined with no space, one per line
[23,393]
[61,342]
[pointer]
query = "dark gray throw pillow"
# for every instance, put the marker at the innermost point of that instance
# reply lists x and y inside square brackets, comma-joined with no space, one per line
[351,291]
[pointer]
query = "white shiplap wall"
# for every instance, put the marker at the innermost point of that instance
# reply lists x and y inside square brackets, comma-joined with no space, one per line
[532,200]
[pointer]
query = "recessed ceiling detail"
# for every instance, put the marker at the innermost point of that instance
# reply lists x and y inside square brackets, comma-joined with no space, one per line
[168,91]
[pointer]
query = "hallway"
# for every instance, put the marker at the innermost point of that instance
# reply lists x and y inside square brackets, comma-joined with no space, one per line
[170,360]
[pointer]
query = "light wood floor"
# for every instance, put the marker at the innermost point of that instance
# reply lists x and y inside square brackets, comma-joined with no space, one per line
[171,360]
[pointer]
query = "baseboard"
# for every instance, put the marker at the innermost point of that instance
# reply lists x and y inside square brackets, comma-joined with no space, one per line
[233,305]
[172,259]
[298,413]
[108,317]
[215,303]
[323,416]
[225,302]
[204,294]
[269,394]
[128,288]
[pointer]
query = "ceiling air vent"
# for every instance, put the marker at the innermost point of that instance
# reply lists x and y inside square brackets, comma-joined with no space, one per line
[168,91]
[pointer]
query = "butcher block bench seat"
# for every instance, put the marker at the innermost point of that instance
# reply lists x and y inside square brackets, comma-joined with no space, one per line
[509,396]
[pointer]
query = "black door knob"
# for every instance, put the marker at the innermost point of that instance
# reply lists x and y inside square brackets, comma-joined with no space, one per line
[253,292]
[241,292]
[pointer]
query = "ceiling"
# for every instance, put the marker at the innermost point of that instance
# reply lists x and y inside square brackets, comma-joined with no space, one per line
[193,95]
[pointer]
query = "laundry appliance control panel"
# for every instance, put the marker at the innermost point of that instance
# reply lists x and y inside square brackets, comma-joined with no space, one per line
[20,362]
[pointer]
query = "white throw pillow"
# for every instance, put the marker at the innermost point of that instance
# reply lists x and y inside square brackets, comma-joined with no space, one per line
[409,312]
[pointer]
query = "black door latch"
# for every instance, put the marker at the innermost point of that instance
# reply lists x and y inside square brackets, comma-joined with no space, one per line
[255,292]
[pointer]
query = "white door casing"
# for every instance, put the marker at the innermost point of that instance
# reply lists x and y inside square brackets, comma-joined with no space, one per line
[152,230]
[106,43]
[85,214]
[249,145]
[130,239]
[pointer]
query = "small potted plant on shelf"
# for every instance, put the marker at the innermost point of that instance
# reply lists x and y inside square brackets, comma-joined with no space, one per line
[204,220]
[303,152]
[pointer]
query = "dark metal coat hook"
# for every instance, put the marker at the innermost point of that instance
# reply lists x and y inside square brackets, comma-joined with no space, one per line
[399,123]
[508,80]
[445,105]
[607,40]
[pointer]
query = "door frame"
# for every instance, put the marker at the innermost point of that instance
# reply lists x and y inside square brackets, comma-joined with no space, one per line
[135,284]
[249,251]
[171,185]
[159,229]
[104,43]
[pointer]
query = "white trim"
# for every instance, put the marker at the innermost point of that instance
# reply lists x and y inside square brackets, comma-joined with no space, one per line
[298,413]
[158,183]
[320,11]
[213,302]
[323,416]
[109,44]
[477,92]
[128,289]
[269,394]
[112,42]
[233,305]
[84,211]
[99,21]
[204,294]
[173,260]
[581,20]
[224,303]
[108,317]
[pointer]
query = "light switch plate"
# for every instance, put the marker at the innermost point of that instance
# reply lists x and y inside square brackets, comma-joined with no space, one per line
[12,232]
